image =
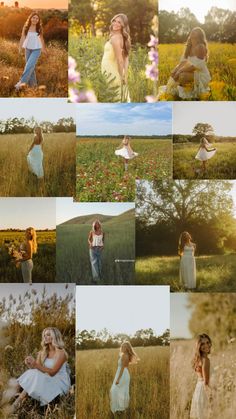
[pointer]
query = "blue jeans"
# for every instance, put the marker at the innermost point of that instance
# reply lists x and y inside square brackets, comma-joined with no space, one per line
[31,58]
[96,262]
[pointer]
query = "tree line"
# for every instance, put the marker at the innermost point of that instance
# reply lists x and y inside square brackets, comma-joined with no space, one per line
[26,126]
[201,130]
[104,339]
[219,25]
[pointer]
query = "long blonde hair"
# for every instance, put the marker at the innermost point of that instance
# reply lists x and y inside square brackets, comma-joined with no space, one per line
[125,32]
[57,342]
[133,357]
[202,40]
[94,225]
[38,133]
[197,359]
[183,239]
[33,238]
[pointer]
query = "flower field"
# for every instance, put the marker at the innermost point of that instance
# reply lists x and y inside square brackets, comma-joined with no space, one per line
[101,175]
[221,64]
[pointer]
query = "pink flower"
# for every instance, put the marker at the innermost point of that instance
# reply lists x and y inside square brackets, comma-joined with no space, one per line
[151,72]
[85,96]
[153,41]
[153,56]
[150,99]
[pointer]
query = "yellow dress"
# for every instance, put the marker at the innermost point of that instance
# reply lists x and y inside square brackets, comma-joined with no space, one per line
[109,67]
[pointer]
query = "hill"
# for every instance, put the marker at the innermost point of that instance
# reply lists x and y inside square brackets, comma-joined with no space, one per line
[89,219]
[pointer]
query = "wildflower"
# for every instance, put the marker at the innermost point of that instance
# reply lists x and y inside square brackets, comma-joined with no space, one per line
[151,72]
[153,56]
[150,99]
[153,41]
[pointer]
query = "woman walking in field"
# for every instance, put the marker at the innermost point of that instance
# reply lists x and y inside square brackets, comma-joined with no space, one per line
[201,365]
[96,245]
[48,375]
[205,152]
[126,151]
[25,254]
[35,157]
[33,43]
[190,79]
[115,61]
[187,270]
[119,393]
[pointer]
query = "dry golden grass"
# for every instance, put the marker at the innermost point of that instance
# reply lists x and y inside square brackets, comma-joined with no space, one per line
[149,386]
[59,165]
[183,381]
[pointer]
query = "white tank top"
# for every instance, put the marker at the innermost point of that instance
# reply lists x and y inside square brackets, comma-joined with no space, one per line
[32,41]
[97,240]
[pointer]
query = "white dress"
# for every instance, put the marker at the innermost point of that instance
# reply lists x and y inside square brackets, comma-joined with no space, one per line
[187,271]
[126,153]
[200,404]
[119,393]
[41,386]
[35,160]
[203,154]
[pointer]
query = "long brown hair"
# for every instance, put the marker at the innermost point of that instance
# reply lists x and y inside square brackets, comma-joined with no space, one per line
[201,38]
[183,239]
[38,133]
[39,28]
[125,32]
[197,359]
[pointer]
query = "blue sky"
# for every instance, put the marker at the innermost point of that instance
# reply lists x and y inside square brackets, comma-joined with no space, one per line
[49,109]
[39,213]
[66,208]
[123,308]
[126,118]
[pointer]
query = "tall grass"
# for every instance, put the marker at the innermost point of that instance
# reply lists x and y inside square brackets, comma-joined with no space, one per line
[59,165]
[149,386]
[214,273]
[51,70]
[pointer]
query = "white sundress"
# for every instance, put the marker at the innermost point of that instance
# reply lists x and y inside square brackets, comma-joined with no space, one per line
[35,160]
[203,154]
[200,403]
[125,153]
[119,393]
[187,270]
[41,386]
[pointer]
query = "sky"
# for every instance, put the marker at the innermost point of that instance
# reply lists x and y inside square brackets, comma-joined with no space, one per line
[49,109]
[122,309]
[199,8]
[39,213]
[221,115]
[124,119]
[180,315]
[40,4]
[66,209]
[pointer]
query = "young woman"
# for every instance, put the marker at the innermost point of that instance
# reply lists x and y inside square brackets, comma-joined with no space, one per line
[201,365]
[190,79]
[115,59]
[33,43]
[205,152]
[119,393]
[187,270]
[126,151]
[47,376]
[96,245]
[35,154]
[25,254]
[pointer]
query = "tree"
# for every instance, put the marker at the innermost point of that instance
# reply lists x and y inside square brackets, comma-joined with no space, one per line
[201,130]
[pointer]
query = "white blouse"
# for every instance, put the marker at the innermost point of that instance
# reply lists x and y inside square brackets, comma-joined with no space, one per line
[97,240]
[32,41]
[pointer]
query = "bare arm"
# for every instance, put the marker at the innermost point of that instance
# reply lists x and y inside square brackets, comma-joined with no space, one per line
[116,42]
[61,359]
[125,364]
[28,253]
[22,39]
[90,238]
[43,43]
[206,371]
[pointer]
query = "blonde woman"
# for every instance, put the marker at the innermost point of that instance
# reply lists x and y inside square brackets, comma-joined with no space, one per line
[115,61]
[47,376]
[35,154]
[201,365]
[187,270]
[25,254]
[96,239]
[119,393]
[190,79]
[33,43]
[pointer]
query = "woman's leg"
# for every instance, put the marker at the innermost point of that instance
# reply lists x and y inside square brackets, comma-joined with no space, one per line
[26,270]
[99,263]
[28,75]
[126,164]
[94,264]
[204,165]
[185,78]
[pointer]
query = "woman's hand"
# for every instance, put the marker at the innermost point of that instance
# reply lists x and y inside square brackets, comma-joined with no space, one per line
[117,382]
[44,51]
[30,361]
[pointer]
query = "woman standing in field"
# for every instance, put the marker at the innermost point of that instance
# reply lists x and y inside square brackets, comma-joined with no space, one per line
[33,43]
[96,245]
[187,270]
[115,59]
[47,376]
[25,254]
[201,365]
[190,79]
[126,151]
[204,152]
[119,393]
[35,158]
